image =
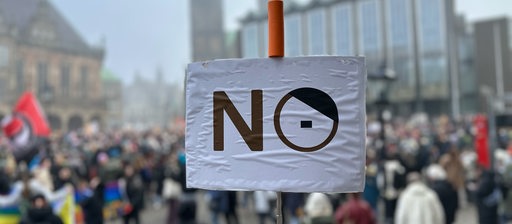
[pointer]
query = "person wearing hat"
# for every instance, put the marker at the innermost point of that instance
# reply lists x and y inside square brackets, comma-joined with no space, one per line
[418,204]
[41,212]
[445,191]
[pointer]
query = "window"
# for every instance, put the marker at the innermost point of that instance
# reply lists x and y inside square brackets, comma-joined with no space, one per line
[404,69]
[4,56]
[292,34]
[250,41]
[84,84]
[399,23]
[431,25]
[65,71]
[42,77]
[20,76]
[317,32]
[369,16]
[342,21]
[434,70]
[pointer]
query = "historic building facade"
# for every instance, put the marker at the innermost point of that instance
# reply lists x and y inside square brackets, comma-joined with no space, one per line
[41,52]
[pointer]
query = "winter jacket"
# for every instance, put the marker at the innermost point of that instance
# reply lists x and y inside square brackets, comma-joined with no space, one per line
[262,202]
[318,205]
[486,199]
[219,201]
[42,216]
[91,205]
[420,205]
[449,199]
[132,189]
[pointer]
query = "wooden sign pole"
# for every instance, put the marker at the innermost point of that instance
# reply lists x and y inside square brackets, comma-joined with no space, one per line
[276,49]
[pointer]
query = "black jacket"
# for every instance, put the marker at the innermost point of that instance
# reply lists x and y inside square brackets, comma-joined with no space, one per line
[448,197]
[135,192]
[42,216]
[487,209]
[93,209]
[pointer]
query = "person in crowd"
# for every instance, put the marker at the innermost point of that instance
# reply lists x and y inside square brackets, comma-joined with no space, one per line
[133,193]
[40,212]
[172,171]
[159,178]
[355,211]
[488,196]
[371,190]
[455,173]
[262,205]
[188,205]
[109,169]
[5,183]
[65,177]
[43,175]
[90,202]
[418,204]
[218,202]
[231,214]
[318,209]
[22,191]
[293,204]
[505,209]
[442,143]
[444,190]
[392,174]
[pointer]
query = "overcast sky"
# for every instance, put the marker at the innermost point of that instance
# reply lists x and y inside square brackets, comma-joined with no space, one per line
[142,36]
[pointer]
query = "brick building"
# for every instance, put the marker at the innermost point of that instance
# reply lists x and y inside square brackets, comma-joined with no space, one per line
[40,51]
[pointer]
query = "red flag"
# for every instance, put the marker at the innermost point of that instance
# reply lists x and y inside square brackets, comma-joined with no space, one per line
[29,108]
[482,141]
[26,128]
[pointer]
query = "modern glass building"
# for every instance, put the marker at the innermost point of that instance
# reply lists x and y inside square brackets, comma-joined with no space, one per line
[410,37]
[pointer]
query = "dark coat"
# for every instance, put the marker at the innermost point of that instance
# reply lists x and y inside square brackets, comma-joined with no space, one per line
[135,192]
[449,199]
[42,216]
[487,209]
[219,201]
[293,201]
[93,208]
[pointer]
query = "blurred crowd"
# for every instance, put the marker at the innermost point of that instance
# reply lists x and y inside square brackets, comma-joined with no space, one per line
[419,170]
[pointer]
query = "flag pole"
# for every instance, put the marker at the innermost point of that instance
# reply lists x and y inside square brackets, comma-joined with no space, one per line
[276,50]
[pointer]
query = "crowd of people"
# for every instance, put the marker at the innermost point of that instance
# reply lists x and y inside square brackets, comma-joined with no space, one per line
[112,175]
[419,170]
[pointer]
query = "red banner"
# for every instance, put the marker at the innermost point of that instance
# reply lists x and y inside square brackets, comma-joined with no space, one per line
[482,141]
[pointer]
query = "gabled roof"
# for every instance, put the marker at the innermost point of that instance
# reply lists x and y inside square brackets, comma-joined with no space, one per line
[21,13]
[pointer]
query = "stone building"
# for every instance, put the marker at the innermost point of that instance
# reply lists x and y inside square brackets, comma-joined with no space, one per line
[41,52]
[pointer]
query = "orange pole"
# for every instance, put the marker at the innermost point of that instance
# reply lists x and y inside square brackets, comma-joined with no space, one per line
[276,49]
[275,28]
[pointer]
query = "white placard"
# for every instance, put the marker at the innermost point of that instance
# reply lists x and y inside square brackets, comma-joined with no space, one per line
[285,124]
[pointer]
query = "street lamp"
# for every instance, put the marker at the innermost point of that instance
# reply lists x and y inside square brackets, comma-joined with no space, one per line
[386,75]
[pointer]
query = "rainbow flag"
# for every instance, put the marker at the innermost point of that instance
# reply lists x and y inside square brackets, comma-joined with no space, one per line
[113,201]
[10,215]
[112,193]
